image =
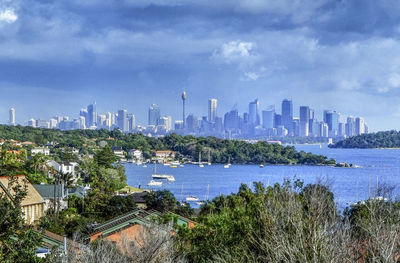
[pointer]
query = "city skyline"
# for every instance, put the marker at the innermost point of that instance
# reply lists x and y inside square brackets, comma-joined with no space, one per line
[254,123]
[330,54]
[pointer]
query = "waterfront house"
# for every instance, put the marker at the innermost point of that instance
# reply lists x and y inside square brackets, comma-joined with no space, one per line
[119,152]
[32,205]
[164,154]
[136,154]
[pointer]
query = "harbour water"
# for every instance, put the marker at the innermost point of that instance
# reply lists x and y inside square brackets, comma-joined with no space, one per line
[375,168]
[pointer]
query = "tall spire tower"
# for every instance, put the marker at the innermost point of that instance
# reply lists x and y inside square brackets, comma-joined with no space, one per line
[183,108]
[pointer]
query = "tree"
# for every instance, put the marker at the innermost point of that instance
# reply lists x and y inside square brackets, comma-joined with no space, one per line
[105,157]
[18,242]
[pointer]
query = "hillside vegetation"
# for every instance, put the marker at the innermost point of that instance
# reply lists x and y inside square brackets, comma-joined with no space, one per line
[213,149]
[386,139]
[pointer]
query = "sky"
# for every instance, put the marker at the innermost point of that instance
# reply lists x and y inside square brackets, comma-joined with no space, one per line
[57,57]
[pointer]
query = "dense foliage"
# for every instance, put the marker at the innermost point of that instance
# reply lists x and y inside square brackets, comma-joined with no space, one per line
[386,139]
[213,149]
[18,242]
[292,223]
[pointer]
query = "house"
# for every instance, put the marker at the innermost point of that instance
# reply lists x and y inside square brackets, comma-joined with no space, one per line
[136,154]
[140,199]
[47,192]
[32,205]
[164,154]
[118,152]
[27,143]
[42,150]
[130,226]
[65,168]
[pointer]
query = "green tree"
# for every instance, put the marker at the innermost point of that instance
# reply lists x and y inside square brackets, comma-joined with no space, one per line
[18,242]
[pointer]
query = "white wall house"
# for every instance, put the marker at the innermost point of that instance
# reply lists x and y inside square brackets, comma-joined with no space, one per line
[42,150]
[136,154]
[65,167]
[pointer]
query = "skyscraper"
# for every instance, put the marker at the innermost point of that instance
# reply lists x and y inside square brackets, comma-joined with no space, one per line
[183,109]
[212,109]
[350,126]
[91,115]
[11,119]
[287,115]
[304,120]
[268,117]
[232,120]
[154,115]
[122,120]
[332,119]
[360,126]
[254,117]
[132,122]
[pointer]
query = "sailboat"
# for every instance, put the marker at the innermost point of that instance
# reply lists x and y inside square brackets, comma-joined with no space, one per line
[206,196]
[169,177]
[209,158]
[200,163]
[228,164]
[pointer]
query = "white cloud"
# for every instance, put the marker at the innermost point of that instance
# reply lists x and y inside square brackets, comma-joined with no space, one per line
[251,75]
[234,51]
[394,80]
[8,16]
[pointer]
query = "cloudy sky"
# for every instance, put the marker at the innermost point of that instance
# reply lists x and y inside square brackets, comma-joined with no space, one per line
[58,56]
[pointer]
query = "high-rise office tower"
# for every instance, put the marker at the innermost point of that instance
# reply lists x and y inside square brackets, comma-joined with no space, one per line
[350,126]
[108,120]
[304,121]
[166,122]
[183,108]
[154,115]
[232,120]
[82,124]
[254,116]
[101,120]
[342,129]
[91,115]
[122,120]
[132,122]
[332,118]
[287,115]
[277,120]
[360,126]
[212,109]
[192,123]
[11,118]
[268,117]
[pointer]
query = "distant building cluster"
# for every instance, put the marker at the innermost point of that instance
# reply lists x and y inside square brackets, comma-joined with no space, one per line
[252,124]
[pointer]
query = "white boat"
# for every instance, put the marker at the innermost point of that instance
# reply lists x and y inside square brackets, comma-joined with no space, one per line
[161,176]
[200,203]
[261,166]
[168,177]
[167,164]
[192,198]
[144,166]
[228,164]
[175,163]
[154,183]
[200,163]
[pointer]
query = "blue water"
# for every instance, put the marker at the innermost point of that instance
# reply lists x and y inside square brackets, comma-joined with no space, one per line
[377,167]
